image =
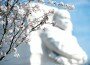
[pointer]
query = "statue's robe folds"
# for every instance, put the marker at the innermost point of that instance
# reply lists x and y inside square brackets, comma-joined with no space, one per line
[63,43]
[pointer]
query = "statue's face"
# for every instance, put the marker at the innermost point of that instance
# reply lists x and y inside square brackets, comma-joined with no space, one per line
[62,20]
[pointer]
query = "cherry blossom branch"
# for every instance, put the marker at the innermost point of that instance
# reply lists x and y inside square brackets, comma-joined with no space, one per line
[5,26]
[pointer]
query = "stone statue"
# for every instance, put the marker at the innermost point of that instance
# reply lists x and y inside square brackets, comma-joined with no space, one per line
[59,39]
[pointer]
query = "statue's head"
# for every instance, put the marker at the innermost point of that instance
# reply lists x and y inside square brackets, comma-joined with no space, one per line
[61,19]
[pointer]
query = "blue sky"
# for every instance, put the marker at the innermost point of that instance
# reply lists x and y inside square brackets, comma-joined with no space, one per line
[81,22]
